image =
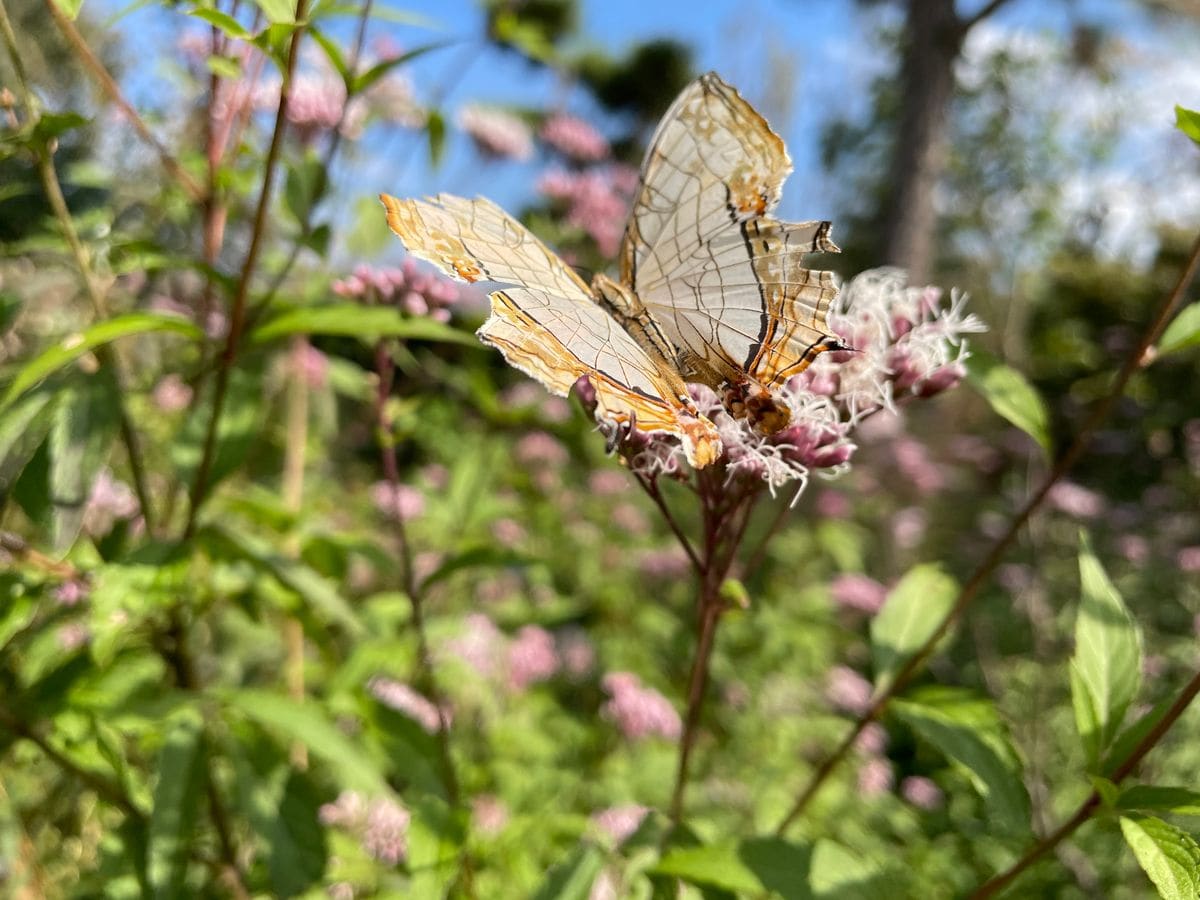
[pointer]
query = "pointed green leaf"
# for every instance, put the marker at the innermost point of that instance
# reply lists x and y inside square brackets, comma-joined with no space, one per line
[1188,121]
[223,21]
[913,610]
[377,71]
[1181,801]
[473,557]
[278,11]
[315,590]
[23,428]
[968,731]
[1106,669]
[1169,856]
[435,130]
[333,53]
[840,874]
[304,721]
[224,67]
[70,8]
[1128,740]
[176,805]
[572,879]
[85,425]
[1011,396]
[368,323]
[716,865]
[1183,332]
[305,183]
[69,350]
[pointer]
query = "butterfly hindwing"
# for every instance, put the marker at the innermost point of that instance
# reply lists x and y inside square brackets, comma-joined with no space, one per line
[726,281]
[544,320]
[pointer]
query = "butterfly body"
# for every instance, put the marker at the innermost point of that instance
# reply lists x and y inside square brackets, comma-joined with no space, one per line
[712,289]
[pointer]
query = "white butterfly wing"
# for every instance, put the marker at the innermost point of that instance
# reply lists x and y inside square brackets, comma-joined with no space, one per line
[546,324]
[726,282]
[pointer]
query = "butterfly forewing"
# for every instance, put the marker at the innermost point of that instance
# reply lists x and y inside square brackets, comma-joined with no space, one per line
[546,323]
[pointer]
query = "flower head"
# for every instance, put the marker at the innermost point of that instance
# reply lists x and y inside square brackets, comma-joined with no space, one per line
[497,133]
[532,657]
[404,699]
[574,138]
[639,711]
[415,291]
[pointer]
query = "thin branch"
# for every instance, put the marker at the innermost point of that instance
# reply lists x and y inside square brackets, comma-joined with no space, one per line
[110,87]
[386,370]
[651,488]
[200,485]
[965,25]
[104,352]
[1135,360]
[994,885]
[17,546]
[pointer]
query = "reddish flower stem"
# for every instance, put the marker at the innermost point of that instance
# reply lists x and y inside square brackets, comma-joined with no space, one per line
[1135,360]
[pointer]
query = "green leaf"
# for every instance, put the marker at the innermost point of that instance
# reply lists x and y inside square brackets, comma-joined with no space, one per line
[223,21]
[305,183]
[368,323]
[1106,669]
[1128,740]
[1169,856]
[176,805]
[913,610]
[377,71]
[69,350]
[282,806]
[473,557]
[412,752]
[224,67]
[1188,121]
[305,722]
[333,53]
[839,874]
[382,13]
[317,592]
[53,125]
[435,129]
[967,730]
[23,427]
[1011,396]
[317,239]
[572,879]
[86,422]
[717,865]
[1178,800]
[278,12]
[1183,332]
[70,8]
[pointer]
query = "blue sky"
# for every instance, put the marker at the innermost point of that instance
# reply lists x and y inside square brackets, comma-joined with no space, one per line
[821,49]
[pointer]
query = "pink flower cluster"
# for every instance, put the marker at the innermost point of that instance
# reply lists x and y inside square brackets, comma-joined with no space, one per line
[617,823]
[381,826]
[858,593]
[597,201]
[905,346]
[403,699]
[417,292]
[109,502]
[532,656]
[637,711]
[497,133]
[575,138]
[401,501]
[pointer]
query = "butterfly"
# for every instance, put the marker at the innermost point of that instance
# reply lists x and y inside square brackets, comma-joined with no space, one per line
[711,288]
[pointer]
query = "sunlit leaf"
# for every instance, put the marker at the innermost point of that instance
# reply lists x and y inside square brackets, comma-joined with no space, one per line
[224,67]
[303,187]
[1169,856]
[484,556]
[1183,332]
[1188,121]
[841,874]
[1181,801]
[1128,740]
[304,721]
[968,731]
[278,11]
[70,8]
[913,610]
[1012,396]
[717,865]
[368,323]
[69,350]
[223,21]
[1106,667]
[377,71]
[176,810]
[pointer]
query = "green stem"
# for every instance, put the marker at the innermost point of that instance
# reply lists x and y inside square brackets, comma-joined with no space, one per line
[200,485]
[1093,802]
